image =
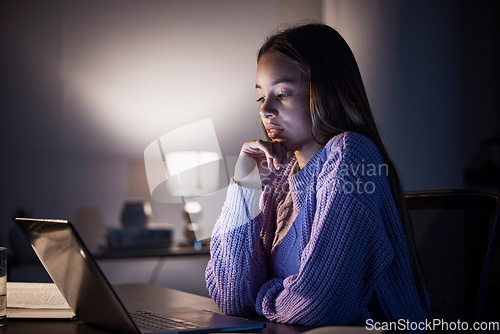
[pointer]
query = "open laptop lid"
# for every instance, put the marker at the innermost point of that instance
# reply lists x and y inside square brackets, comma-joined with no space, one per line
[76,274]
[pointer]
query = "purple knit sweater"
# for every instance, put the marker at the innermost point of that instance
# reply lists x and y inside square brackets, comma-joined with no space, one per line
[353,259]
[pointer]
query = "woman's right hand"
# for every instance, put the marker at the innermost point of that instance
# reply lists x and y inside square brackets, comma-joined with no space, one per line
[268,156]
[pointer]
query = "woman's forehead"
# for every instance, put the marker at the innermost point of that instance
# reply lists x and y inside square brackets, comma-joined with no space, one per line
[275,68]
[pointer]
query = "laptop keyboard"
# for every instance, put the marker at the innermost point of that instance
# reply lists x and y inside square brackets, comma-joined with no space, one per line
[153,322]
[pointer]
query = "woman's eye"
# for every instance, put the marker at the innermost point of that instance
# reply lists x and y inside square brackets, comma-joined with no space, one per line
[261,99]
[283,95]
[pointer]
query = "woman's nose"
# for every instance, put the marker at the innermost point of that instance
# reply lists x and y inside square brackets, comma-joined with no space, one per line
[267,109]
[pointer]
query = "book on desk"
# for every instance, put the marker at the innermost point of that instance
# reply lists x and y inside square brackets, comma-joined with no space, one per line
[36,301]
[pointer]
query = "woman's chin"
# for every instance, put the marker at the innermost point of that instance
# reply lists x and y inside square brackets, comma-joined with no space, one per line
[282,141]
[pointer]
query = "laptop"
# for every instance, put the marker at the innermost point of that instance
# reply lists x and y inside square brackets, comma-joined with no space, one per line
[89,294]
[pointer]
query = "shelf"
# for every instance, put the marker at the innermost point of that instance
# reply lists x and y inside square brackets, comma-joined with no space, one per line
[175,251]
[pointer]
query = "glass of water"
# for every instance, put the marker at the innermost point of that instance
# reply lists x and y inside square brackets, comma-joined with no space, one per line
[3,286]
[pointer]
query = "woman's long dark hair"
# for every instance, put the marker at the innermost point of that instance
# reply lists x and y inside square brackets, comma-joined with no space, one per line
[338,101]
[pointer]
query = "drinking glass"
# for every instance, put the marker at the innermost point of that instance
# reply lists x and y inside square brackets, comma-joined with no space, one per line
[3,286]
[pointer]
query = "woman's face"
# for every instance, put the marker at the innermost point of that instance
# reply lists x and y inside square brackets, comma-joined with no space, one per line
[284,101]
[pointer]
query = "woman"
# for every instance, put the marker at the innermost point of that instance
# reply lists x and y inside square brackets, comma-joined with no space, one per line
[316,237]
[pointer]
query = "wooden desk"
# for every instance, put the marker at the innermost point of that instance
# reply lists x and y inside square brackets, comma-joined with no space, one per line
[132,294]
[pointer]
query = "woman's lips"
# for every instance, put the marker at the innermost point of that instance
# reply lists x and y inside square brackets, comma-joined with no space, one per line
[273,131]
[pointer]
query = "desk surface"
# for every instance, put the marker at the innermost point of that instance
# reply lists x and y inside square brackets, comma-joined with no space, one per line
[130,294]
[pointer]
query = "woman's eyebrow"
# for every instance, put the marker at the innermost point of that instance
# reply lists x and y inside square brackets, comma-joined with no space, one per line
[279,81]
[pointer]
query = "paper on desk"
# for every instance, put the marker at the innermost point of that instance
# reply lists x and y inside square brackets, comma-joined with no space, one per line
[23,313]
[35,296]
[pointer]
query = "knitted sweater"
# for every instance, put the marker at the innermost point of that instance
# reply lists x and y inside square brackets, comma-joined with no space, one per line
[353,260]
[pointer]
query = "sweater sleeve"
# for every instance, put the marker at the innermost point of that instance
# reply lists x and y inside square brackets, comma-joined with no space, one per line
[237,267]
[347,251]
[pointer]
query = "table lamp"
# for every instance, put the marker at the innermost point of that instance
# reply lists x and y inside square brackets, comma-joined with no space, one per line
[184,165]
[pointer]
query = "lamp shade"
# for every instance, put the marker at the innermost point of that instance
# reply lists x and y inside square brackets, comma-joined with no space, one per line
[185,162]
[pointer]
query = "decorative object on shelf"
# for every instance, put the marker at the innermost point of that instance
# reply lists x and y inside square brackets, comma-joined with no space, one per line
[136,214]
[139,238]
[138,232]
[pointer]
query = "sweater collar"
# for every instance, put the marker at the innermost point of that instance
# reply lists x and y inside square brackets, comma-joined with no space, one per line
[304,178]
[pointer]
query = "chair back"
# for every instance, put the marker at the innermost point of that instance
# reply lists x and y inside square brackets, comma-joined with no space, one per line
[454,235]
